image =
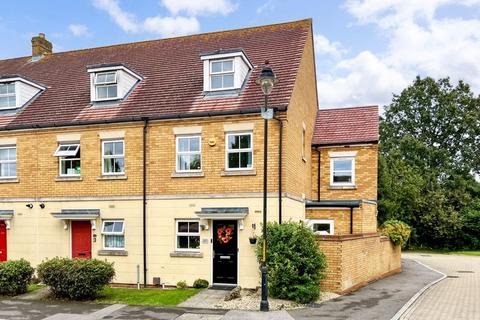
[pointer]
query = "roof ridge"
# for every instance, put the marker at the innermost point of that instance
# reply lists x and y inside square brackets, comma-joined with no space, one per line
[290,24]
[345,108]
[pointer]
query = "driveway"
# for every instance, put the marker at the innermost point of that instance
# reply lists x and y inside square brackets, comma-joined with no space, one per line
[455,297]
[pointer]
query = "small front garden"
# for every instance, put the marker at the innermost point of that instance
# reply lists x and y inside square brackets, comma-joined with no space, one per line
[148,297]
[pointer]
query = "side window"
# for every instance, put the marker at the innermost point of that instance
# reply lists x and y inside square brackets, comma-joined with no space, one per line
[322,227]
[342,171]
[8,162]
[239,151]
[187,235]
[113,232]
[69,159]
[189,153]
[113,157]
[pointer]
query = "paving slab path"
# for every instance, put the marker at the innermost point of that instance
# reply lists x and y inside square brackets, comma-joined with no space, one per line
[455,297]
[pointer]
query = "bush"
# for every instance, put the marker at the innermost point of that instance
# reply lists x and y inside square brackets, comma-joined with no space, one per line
[182,284]
[295,264]
[76,279]
[471,227]
[200,284]
[397,231]
[15,276]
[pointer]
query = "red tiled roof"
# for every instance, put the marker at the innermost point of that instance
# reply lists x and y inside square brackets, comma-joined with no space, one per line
[172,72]
[346,125]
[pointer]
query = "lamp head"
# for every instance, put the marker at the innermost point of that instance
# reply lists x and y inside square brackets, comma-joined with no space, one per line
[267,79]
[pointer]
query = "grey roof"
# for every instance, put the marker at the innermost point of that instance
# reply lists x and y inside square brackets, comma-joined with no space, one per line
[334,204]
[80,211]
[224,210]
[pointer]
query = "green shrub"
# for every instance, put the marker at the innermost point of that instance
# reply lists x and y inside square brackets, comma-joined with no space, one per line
[15,275]
[200,284]
[76,279]
[397,231]
[295,264]
[182,284]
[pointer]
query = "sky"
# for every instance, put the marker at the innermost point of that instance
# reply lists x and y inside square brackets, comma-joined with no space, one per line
[366,50]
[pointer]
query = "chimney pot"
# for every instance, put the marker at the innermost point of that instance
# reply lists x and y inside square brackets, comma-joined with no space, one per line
[40,46]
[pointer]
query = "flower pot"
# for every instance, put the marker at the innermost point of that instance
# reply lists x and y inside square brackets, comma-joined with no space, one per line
[252,240]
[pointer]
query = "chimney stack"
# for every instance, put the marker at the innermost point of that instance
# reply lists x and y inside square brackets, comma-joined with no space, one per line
[40,47]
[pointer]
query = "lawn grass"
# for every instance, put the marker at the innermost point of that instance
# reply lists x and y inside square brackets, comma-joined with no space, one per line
[149,297]
[34,286]
[445,251]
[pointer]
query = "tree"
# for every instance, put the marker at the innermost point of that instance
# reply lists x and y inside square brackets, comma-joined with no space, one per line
[430,142]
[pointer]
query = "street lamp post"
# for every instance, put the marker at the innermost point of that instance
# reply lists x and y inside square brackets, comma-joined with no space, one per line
[266,81]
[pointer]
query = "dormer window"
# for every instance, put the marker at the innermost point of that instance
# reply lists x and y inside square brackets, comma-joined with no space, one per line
[221,74]
[111,83]
[8,98]
[225,72]
[106,85]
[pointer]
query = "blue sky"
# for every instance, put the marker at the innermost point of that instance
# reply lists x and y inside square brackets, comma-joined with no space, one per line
[365,49]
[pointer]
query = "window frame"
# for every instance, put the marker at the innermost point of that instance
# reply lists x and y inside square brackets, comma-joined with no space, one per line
[332,171]
[2,95]
[211,73]
[330,222]
[105,84]
[113,233]
[113,157]
[64,158]
[178,153]
[187,234]
[227,135]
[9,161]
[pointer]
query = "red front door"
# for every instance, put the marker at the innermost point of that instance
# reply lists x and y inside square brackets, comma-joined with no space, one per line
[3,241]
[81,239]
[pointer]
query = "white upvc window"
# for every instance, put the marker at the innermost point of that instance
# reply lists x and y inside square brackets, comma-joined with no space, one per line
[342,171]
[8,97]
[322,227]
[189,153]
[187,235]
[222,74]
[113,157]
[113,232]
[239,151]
[106,86]
[69,159]
[8,161]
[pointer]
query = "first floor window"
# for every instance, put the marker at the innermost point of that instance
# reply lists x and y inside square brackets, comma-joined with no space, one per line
[8,162]
[189,153]
[69,158]
[113,232]
[239,151]
[113,157]
[342,171]
[188,235]
[322,227]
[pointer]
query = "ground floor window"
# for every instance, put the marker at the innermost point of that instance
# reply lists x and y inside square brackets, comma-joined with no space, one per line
[322,227]
[113,232]
[187,235]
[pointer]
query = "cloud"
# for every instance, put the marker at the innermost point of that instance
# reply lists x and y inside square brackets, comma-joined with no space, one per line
[79,30]
[323,46]
[418,43]
[267,6]
[196,7]
[125,20]
[171,26]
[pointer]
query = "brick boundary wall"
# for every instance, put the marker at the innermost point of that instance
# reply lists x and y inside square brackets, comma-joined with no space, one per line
[355,260]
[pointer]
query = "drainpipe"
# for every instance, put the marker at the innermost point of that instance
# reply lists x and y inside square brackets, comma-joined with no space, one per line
[318,174]
[280,143]
[144,202]
[351,220]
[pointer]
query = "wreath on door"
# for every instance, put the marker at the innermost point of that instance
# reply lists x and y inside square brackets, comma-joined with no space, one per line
[224,234]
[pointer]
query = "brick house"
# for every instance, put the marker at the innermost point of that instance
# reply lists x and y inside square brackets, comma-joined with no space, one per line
[150,155]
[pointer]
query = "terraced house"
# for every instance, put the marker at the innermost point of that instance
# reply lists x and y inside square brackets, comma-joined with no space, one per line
[150,155]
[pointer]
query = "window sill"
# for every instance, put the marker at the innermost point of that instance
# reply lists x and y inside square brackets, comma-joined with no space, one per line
[9,180]
[226,173]
[112,177]
[120,253]
[186,254]
[187,174]
[331,187]
[65,178]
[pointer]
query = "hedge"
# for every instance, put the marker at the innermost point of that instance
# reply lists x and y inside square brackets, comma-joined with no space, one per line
[397,231]
[15,275]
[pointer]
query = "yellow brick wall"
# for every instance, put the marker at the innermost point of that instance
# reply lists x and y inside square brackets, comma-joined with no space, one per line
[366,174]
[355,261]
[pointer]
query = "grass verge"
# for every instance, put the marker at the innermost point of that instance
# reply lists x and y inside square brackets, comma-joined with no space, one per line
[445,251]
[34,286]
[148,297]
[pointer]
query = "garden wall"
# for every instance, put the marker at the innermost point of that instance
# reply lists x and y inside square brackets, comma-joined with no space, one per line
[355,260]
